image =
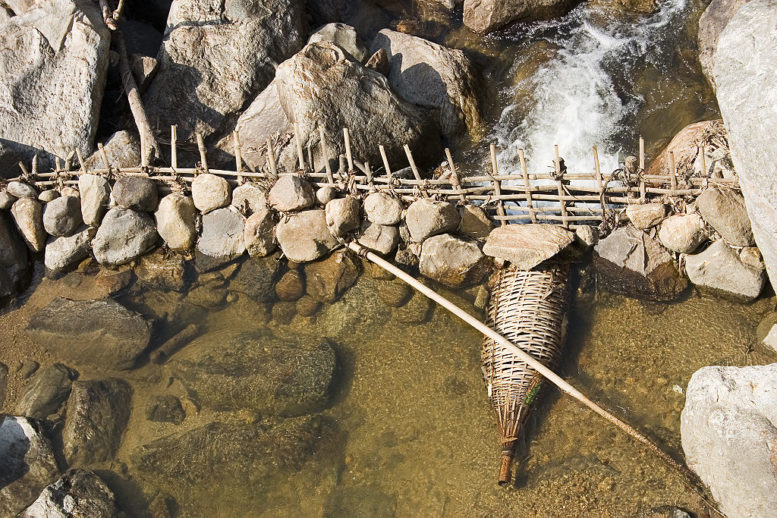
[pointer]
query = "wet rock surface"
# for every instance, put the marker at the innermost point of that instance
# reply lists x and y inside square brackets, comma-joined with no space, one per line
[165,409]
[28,463]
[99,333]
[46,391]
[728,436]
[256,278]
[484,16]
[257,371]
[327,280]
[78,493]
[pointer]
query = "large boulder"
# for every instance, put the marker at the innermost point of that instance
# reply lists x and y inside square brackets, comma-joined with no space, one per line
[484,16]
[175,222]
[222,235]
[720,270]
[304,236]
[526,246]
[216,57]
[63,252]
[631,262]
[47,390]
[78,493]
[430,75]
[62,216]
[452,261]
[97,333]
[744,70]
[724,210]
[323,86]
[729,437]
[328,279]
[256,371]
[123,236]
[28,463]
[28,215]
[97,412]
[711,25]
[426,218]
[687,146]
[52,82]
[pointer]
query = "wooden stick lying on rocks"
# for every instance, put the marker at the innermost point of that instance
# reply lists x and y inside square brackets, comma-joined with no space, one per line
[689,476]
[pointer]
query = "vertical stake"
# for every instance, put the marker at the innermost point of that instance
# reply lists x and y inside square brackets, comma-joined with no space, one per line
[527,186]
[500,208]
[348,155]
[81,160]
[385,162]
[561,202]
[104,156]
[641,153]
[271,159]
[238,156]
[34,165]
[599,183]
[325,154]
[174,147]
[703,161]
[455,181]
[203,155]
[412,163]
[298,144]
[368,172]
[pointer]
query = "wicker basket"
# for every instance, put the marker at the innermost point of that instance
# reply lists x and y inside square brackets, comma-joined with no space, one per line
[527,308]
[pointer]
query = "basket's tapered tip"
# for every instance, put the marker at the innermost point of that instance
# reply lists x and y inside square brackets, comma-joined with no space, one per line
[505,469]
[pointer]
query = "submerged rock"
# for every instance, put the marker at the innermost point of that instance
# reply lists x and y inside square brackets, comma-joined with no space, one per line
[257,371]
[329,278]
[28,463]
[720,270]
[98,333]
[630,262]
[165,409]
[291,286]
[46,391]
[97,413]
[256,278]
[78,493]
[729,437]
[123,236]
[161,271]
[453,262]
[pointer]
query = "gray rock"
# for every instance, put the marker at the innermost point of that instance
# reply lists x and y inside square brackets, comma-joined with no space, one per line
[720,270]
[28,215]
[474,222]
[484,16]
[256,371]
[728,436]
[290,193]
[21,190]
[343,215]
[122,149]
[379,238]
[54,79]
[222,235]
[123,236]
[342,35]
[646,215]
[630,262]
[744,65]
[63,253]
[326,194]
[6,200]
[210,192]
[304,236]
[453,262]
[136,192]
[209,71]
[725,211]
[328,279]
[165,409]
[46,391]
[78,493]
[259,233]
[13,254]
[28,463]
[249,198]
[97,413]
[97,333]
[323,86]
[95,195]
[526,246]
[383,209]
[433,76]
[426,218]
[711,25]
[256,278]
[62,216]
[682,233]
[175,222]
[51,195]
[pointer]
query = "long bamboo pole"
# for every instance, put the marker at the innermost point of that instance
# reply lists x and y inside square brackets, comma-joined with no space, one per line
[551,376]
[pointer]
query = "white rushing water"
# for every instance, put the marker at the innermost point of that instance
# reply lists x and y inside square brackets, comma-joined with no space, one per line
[582,97]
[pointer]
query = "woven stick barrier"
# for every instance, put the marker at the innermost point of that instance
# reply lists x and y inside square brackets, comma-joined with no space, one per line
[527,308]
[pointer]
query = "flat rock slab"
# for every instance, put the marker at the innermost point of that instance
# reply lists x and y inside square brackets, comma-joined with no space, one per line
[99,333]
[526,246]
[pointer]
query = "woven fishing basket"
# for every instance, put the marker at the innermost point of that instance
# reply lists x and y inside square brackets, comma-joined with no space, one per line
[527,308]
